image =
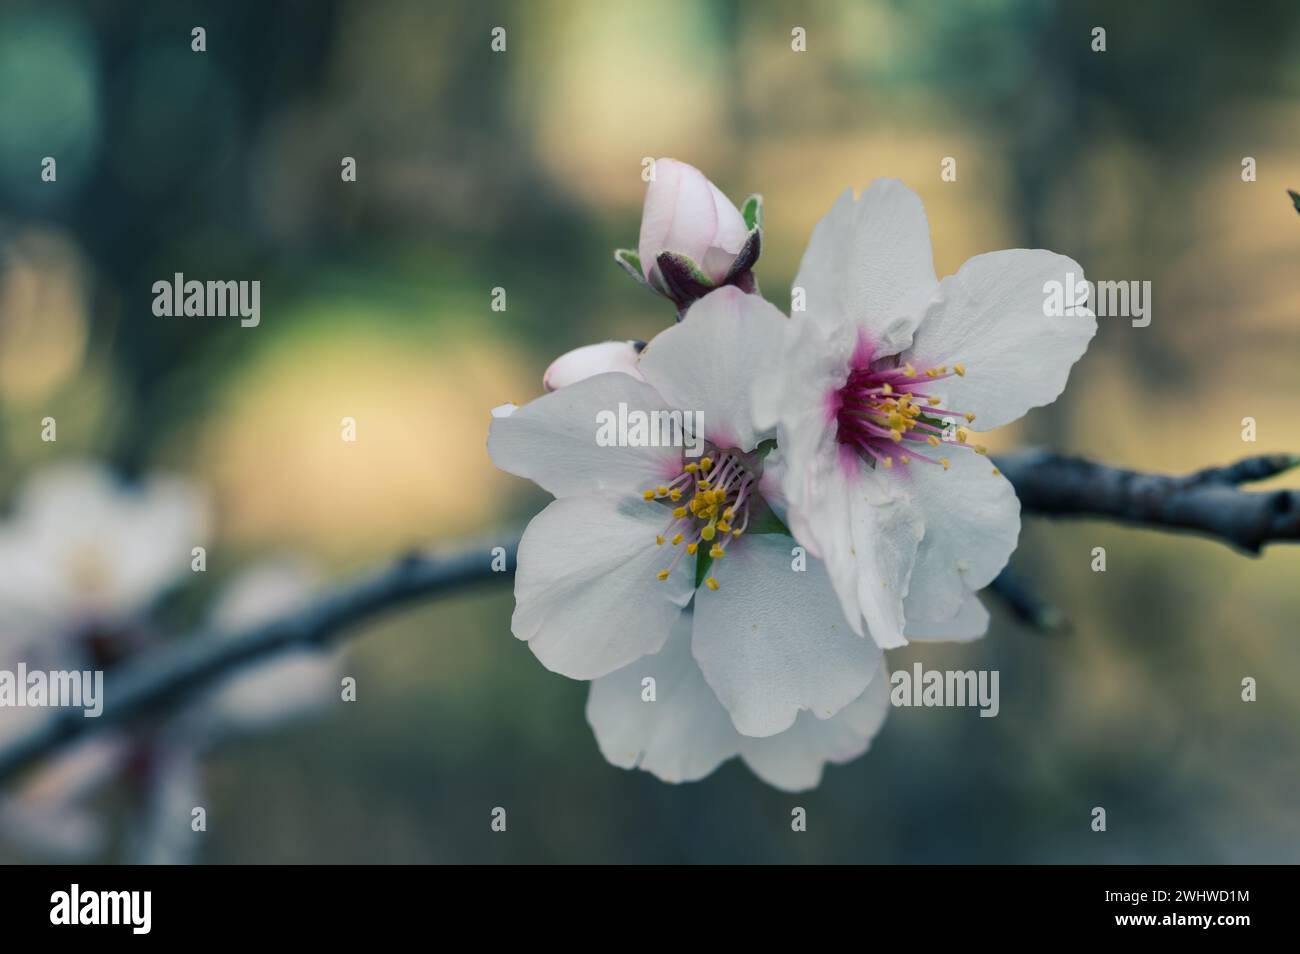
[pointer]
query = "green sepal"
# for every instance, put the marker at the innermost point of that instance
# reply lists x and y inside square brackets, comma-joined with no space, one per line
[767,522]
[752,212]
[630,262]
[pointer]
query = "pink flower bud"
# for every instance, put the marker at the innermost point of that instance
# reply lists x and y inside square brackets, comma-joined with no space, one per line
[574,366]
[687,214]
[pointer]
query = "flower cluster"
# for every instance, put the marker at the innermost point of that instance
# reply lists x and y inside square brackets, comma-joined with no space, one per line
[739,603]
[84,561]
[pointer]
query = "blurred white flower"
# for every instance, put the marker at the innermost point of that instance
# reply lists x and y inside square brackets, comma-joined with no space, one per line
[290,685]
[81,561]
[83,556]
[49,814]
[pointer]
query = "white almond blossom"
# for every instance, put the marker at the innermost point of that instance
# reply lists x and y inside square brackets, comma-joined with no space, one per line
[638,534]
[82,560]
[875,394]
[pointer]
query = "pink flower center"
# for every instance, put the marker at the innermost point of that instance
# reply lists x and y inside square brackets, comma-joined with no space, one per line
[889,416]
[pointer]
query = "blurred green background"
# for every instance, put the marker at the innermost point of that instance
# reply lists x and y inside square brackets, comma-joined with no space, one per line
[522,170]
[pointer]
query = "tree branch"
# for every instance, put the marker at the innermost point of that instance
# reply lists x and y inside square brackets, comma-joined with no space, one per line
[163,678]
[1208,502]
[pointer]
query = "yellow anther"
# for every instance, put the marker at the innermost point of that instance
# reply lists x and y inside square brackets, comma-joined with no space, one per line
[704,485]
[691,548]
[717,552]
[934,402]
[708,532]
[931,372]
[896,422]
[706,463]
[676,495]
[679,512]
[970,418]
[932,441]
[981,449]
[711,583]
[996,472]
[889,462]
[728,513]
[692,468]
[945,461]
[677,539]
[736,533]
[904,459]
[659,541]
[661,491]
[662,574]
[649,495]
[960,369]
[896,435]
[909,370]
[887,388]
[962,435]
[724,526]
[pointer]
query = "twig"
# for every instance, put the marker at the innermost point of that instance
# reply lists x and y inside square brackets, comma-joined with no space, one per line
[1207,502]
[197,661]
[1019,596]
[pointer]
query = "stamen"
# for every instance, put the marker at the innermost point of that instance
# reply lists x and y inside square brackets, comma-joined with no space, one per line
[879,408]
[714,509]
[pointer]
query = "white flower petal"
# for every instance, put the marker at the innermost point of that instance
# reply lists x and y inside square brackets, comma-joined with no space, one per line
[589,360]
[732,233]
[288,685]
[707,363]
[990,317]
[587,598]
[261,593]
[175,787]
[868,265]
[680,214]
[972,524]
[773,641]
[971,621]
[51,813]
[552,440]
[680,736]
[98,547]
[865,528]
[794,383]
[793,760]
